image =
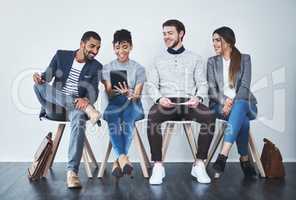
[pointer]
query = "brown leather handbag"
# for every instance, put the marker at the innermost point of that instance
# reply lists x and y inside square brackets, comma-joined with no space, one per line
[36,170]
[272,161]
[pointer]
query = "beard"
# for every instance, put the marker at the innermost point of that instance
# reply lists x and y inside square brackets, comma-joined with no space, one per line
[88,55]
[174,44]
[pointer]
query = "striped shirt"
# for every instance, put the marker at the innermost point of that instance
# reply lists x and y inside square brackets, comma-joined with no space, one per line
[71,85]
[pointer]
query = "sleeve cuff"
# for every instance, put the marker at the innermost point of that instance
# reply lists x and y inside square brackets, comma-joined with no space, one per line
[223,99]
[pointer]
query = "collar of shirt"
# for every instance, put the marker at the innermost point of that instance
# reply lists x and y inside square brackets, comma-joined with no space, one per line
[126,64]
[178,51]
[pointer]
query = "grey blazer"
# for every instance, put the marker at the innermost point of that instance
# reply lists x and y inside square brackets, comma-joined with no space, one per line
[216,82]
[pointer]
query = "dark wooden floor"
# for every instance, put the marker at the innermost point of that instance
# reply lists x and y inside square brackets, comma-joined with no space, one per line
[178,184]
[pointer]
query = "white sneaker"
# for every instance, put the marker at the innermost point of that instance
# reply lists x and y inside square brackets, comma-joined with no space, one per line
[158,173]
[199,171]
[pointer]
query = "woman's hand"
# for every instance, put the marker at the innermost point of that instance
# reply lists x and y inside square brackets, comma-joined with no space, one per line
[133,97]
[227,106]
[135,94]
[123,89]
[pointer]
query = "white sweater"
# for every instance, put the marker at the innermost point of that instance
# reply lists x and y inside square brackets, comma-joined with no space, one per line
[177,75]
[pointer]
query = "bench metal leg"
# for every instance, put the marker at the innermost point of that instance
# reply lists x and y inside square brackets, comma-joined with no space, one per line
[166,138]
[104,163]
[88,158]
[191,140]
[255,155]
[142,153]
[56,143]
[90,153]
[215,143]
[144,161]
[86,163]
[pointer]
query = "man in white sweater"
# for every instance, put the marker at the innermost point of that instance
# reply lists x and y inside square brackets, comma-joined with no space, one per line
[177,84]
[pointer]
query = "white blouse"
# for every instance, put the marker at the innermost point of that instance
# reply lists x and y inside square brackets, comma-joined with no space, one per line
[229,92]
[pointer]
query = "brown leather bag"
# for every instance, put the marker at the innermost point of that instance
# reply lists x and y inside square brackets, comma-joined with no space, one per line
[36,170]
[272,161]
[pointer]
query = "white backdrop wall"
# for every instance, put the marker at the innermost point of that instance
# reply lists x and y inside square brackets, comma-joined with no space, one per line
[31,32]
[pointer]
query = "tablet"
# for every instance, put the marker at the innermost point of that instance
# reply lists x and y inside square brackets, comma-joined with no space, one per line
[118,76]
[184,103]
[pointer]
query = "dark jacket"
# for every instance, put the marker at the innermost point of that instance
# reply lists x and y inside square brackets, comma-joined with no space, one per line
[60,67]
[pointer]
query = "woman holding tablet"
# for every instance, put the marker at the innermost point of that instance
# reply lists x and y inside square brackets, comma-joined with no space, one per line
[123,79]
[229,78]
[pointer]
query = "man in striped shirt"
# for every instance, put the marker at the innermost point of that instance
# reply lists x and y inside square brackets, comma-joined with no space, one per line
[76,76]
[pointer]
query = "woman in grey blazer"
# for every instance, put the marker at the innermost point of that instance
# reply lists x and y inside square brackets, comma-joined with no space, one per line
[229,78]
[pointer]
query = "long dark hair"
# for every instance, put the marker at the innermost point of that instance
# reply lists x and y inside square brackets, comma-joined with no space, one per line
[235,58]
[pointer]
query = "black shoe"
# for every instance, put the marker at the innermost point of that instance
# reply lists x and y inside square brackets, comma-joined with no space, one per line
[248,168]
[42,113]
[219,165]
[116,170]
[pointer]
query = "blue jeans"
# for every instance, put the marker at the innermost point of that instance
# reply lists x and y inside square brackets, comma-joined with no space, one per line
[46,93]
[238,124]
[121,115]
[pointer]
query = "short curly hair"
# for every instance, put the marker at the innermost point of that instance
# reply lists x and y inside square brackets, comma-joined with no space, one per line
[122,35]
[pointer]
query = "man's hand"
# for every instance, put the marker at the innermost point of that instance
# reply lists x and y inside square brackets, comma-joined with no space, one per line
[166,102]
[37,79]
[227,106]
[81,103]
[193,102]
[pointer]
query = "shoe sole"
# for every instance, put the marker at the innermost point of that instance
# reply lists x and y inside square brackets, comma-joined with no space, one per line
[195,176]
[157,183]
[74,186]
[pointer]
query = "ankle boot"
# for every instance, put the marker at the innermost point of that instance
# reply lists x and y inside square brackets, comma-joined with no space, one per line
[116,170]
[219,165]
[248,168]
[92,114]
